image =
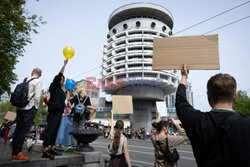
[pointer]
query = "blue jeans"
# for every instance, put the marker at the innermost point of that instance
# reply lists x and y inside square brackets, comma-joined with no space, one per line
[63,136]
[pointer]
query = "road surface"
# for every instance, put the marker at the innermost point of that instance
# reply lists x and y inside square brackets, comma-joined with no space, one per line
[142,153]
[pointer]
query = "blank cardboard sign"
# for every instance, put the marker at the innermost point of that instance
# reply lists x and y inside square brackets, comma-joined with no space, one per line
[10,116]
[162,108]
[122,104]
[198,52]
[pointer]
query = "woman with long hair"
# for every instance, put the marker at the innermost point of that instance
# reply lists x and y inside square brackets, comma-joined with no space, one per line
[117,147]
[160,138]
[79,119]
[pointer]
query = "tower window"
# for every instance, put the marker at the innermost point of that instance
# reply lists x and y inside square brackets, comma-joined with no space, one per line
[162,35]
[148,40]
[120,67]
[153,25]
[134,40]
[135,66]
[121,35]
[125,26]
[120,43]
[149,33]
[148,48]
[138,24]
[108,36]
[108,63]
[135,48]
[148,57]
[114,31]
[135,57]
[164,28]
[170,33]
[120,51]
[135,32]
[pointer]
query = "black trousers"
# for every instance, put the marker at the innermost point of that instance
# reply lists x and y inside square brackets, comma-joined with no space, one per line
[118,161]
[53,124]
[24,121]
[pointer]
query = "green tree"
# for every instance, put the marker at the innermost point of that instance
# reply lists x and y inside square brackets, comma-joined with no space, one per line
[16,26]
[242,104]
[4,108]
[42,111]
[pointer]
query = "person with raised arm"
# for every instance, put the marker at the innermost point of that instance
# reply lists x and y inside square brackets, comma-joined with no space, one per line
[55,108]
[163,142]
[117,147]
[220,137]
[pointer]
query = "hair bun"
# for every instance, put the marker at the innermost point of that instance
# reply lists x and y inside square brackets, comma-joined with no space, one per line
[155,125]
[159,125]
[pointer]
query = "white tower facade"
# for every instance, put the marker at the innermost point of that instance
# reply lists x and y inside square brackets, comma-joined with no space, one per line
[128,55]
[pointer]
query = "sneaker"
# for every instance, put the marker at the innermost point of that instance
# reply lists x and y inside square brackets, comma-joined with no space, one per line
[46,154]
[20,156]
[54,152]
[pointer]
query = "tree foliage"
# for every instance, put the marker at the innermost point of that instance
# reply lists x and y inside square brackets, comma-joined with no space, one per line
[4,108]
[42,111]
[242,104]
[16,26]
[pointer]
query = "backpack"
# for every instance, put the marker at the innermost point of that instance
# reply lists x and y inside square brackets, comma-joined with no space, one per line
[80,108]
[19,97]
[171,157]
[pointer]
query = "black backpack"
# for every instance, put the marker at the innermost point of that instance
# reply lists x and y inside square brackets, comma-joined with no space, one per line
[19,97]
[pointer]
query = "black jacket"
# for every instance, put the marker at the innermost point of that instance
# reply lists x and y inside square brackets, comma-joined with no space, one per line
[218,138]
[57,95]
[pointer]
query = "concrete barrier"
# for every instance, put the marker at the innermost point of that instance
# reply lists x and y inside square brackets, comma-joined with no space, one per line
[68,159]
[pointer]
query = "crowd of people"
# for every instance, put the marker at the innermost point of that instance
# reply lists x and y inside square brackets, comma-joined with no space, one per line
[7,129]
[218,138]
[63,114]
[134,134]
[141,134]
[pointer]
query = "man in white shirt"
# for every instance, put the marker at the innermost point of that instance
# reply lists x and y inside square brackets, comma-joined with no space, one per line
[26,115]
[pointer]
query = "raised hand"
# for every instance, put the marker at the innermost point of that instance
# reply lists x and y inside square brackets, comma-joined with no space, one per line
[184,73]
[65,62]
[184,70]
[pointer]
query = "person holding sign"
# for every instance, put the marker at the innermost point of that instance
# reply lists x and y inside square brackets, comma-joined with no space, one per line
[56,107]
[117,147]
[166,144]
[219,137]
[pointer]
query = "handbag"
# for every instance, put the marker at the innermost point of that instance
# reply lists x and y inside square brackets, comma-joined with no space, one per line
[172,157]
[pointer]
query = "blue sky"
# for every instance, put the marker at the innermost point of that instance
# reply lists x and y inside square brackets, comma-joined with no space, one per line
[84,25]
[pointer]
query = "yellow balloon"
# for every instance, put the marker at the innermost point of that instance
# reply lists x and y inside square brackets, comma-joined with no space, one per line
[68,52]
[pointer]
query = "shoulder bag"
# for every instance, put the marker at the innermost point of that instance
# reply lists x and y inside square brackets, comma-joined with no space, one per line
[171,157]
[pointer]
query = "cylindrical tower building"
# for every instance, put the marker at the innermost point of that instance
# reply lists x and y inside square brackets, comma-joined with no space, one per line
[128,56]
